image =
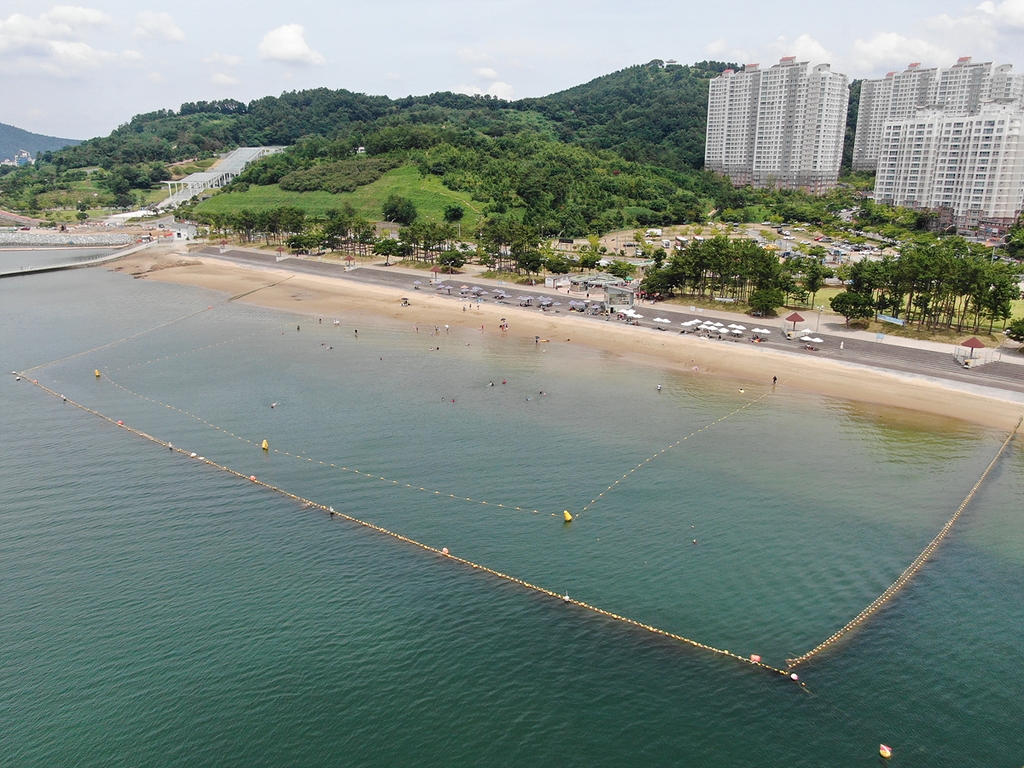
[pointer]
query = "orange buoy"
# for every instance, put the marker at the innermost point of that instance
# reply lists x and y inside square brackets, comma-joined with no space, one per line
[885,751]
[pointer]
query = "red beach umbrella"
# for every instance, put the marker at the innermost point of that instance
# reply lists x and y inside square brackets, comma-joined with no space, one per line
[794,319]
[973,344]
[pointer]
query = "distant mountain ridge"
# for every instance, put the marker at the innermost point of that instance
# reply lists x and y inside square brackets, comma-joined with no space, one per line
[13,139]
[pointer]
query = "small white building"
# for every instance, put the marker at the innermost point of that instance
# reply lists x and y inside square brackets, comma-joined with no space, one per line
[184,230]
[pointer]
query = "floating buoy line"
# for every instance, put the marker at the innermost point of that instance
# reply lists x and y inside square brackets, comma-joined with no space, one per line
[912,569]
[663,451]
[752,660]
[265,445]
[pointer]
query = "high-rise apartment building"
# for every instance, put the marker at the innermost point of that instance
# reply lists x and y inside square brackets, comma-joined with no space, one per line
[778,127]
[970,165]
[959,89]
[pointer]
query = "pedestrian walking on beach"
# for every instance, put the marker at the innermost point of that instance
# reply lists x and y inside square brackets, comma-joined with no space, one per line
[775,380]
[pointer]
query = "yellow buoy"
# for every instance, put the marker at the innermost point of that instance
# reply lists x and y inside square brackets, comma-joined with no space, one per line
[266,446]
[885,751]
[97,372]
[568,517]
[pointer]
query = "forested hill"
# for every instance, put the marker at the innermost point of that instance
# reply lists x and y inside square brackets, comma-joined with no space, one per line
[14,139]
[650,113]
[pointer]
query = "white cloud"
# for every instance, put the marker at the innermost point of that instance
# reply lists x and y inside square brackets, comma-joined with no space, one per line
[1008,12]
[224,80]
[721,50]
[891,50]
[499,89]
[487,73]
[52,43]
[288,44]
[131,56]
[158,26]
[155,78]
[224,59]
[475,57]
[805,48]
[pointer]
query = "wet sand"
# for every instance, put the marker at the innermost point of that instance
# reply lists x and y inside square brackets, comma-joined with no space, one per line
[363,304]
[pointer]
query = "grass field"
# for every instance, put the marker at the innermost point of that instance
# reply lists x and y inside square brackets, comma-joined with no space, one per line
[427,193]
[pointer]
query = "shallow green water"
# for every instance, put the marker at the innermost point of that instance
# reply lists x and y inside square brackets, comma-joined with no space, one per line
[158,612]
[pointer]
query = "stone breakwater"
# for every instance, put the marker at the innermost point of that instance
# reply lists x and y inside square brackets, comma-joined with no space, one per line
[56,239]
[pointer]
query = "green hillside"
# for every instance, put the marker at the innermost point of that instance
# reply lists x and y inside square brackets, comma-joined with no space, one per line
[427,193]
[649,113]
[14,139]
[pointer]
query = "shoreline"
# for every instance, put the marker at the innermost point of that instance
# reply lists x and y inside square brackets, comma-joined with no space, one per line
[333,297]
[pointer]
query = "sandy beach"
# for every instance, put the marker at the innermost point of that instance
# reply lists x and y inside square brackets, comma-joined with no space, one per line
[362,304]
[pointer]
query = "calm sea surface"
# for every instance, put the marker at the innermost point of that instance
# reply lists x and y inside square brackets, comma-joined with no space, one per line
[15,259]
[158,612]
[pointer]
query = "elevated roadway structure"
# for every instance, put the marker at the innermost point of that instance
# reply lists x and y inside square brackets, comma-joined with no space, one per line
[220,175]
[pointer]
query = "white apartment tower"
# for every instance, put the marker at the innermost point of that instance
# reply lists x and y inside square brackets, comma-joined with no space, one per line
[779,127]
[959,89]
[971,165]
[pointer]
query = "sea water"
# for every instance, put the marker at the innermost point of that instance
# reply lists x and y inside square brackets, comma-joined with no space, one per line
[18,259]
[157,611]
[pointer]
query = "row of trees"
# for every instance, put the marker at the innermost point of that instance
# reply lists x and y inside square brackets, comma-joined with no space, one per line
[502,243]
[740,270]
[951,284]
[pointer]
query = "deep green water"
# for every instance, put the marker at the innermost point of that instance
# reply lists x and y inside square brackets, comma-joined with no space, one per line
[155,611]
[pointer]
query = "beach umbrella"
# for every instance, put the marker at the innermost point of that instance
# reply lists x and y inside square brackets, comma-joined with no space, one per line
[739,327]
[731,325]
[557,304]
[816,340]
[973,344]
[794,319]
[806,331]
[417,282]
[718,325]
[766,332]
[638,317]
[737,331]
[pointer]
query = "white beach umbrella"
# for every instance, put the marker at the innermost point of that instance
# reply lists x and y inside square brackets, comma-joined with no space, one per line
[815,340]
[766,332]
[739,327]
[805,338]
[737,331]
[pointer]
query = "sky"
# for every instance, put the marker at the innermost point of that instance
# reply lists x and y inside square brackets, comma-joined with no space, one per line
[80,70]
